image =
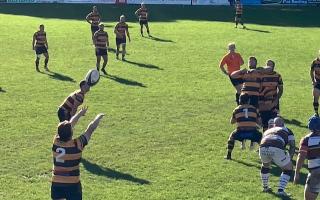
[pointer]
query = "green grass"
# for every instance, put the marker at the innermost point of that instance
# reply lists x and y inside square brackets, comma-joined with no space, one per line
[168,110]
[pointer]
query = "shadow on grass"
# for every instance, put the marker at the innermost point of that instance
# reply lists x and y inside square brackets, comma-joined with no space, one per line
[158,39]
[110,173]
[294,122]
[257,30]
[149,66]
[58,76]
[124,81]
[2,90]
[288,16]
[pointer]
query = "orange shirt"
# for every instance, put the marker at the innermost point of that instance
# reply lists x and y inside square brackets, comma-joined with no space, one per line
[233,62]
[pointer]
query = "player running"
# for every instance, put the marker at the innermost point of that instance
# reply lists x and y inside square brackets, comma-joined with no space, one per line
[121,30]
[233,61]
[101,42]
[270,94]
[143,14]
[40,46]
[67,153]
[315,78]
[310,150]
[272,149]
[94,18]
[70,105]
[247,120]
[239,12]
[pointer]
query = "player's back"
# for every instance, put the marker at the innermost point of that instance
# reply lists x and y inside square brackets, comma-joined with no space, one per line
[246,117]
[270,81]
[275,137]
[73,100]
[251,83]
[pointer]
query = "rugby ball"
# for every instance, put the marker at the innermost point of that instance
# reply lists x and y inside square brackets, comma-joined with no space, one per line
[92,77]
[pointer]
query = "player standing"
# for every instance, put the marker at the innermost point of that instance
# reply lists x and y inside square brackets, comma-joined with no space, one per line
[247,119]
[94,18]
[122,32]
[233,61]
[40,45]
[239,12]
[315,78]
[272,148]
[310,150]
[143,15]
[101,42]
[67,153]
[70,105]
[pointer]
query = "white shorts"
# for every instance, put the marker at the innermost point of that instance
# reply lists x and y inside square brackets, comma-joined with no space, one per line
[313,181]
[278,156]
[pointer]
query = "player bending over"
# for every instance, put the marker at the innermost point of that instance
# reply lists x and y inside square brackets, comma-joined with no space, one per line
[247,120]
[121,30]
[40,45]
[67,153]
[142,14]
[70,105]
[101,42]
[310,150]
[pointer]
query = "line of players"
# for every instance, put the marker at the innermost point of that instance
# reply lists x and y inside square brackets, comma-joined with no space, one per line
[100,37]
[258,91]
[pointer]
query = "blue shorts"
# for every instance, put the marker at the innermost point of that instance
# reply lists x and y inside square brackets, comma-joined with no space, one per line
[41,50]
[143,22]
[94,29]
[121,41]
[67,191]
[101,52]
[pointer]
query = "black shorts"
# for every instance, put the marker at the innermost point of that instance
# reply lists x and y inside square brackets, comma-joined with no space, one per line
[41,50]
[121,41]
[94,29]
[143,22]
[101,52]
[238,16]
[63,115]
[68,191]
[266,116]
[236,81]
[254,101]
[253,135]
[317,85]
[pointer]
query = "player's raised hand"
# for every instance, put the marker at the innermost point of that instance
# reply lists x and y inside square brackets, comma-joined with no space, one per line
[99,116]
[83,110]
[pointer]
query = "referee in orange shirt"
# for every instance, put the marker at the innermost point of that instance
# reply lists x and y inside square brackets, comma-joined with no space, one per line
[233,61]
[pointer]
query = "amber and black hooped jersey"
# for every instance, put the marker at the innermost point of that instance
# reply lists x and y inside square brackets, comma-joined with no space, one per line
[251,83]
[246,117]
[143,14]
[269,85]
[73,101]
[275,137]
[95,18]
[310,144]
[239,9]
[41,38]
[101,38]
[121,29]
[66,160]
[315,66]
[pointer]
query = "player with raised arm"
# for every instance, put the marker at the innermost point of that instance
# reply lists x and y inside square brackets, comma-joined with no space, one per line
[94,18]
[247,119]
[233,61]
[40,46]
[67,153]
[70,105]
[273,149]
[310,150]
[143,14]
[315,78]
[101,42]
[122,32]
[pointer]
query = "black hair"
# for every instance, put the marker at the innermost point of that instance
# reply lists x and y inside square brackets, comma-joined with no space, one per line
[65,131]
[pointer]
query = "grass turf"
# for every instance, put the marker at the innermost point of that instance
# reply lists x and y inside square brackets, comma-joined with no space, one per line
[167,108]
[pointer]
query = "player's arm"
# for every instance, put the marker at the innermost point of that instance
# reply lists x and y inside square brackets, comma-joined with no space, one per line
[107,40]
[222,63]
[33,41]
[233,118]
[88,18]
[95,39]
[116,30]
[312,74]
[128,34]
[74,120]
[137,12]
[92,126]
[292,144]
[300,161]
[241,60]
[46,43]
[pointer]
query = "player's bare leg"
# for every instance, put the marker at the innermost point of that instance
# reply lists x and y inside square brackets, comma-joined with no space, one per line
[148,31]
[230,146]
[265,174]
[37,63]
[117,51]
[141,30]
[123,51]
[316,94]
[46,55]
[98,62]
[105,62]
